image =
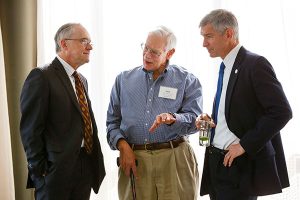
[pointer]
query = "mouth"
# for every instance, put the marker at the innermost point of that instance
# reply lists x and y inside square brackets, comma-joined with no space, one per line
[209,50]
[148,63]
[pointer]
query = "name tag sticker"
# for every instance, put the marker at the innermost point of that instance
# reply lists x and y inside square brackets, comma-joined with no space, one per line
[167,92]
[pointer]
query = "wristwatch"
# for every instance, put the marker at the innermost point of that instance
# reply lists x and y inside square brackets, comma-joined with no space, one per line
[173,114]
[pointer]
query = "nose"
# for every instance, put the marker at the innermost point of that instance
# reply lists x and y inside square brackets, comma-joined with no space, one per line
[89,46]
[147,54]
[204,44]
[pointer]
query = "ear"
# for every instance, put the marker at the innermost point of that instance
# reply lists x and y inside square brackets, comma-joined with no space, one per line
[63,44]
[229,33]
[170,53]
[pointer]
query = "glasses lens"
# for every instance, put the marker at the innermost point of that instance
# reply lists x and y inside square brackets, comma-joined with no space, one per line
[143,46]
[86,42]
[152,52]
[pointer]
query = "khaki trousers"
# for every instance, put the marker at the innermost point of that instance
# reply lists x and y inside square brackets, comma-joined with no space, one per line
[165,174]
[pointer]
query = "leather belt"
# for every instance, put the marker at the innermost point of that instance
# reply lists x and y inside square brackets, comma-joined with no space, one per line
[214,150]
[156,146]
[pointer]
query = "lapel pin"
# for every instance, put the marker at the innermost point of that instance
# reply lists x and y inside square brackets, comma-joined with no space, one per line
[236,71]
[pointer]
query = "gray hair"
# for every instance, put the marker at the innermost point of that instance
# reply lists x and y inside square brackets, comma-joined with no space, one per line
[220,20]
[165,33]
[65,31]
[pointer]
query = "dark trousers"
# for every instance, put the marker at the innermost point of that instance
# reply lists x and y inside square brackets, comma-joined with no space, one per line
[225,180]
[78,186]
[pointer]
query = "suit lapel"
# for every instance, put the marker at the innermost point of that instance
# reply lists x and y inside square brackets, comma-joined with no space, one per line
[233,78]
[63,76]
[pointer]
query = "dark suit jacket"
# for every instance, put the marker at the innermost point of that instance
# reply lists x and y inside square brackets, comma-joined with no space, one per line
[52,128]
[256,109]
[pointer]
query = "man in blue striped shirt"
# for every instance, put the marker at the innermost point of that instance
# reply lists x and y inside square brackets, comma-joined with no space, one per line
[152,110]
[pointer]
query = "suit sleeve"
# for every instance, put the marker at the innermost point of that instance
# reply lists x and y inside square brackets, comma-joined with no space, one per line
[34,101]
[275,110]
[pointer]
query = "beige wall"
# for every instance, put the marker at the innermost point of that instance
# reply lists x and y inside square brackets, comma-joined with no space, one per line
[18,24]
[7,188]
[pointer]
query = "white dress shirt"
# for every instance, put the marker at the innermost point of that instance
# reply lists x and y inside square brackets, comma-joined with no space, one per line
[70,70]
[223,136]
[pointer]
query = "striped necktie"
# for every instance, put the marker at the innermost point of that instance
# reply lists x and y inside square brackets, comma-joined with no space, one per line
[82,100]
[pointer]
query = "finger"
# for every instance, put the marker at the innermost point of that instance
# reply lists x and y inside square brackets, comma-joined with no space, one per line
[134,171]
[197,124]
[153,127]
[127,170]
[226,160]
[168,119]
[155,124]
[212,124]
[158,119]
[162,117]
[205,117]
[123,165]
[230,161]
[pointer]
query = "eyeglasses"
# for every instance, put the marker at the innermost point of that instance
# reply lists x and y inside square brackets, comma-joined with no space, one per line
[152,52]
[84,41]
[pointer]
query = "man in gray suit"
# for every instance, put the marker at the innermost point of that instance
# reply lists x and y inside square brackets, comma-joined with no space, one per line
[59,135]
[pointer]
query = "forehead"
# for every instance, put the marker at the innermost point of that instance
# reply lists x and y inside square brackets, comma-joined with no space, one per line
[156,41]
[207,30]
[80,32]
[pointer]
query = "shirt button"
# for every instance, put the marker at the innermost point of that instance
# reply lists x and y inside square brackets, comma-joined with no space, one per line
[146,124]
[149,99]
[148,111]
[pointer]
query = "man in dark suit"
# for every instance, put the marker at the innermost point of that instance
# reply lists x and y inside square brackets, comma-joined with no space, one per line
[245,158]
[58,128]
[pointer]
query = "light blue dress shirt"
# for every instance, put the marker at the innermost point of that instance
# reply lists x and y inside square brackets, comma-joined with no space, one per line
[135,102]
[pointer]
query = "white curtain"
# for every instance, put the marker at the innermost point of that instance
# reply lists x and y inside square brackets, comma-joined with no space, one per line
[118,27]
[7,190]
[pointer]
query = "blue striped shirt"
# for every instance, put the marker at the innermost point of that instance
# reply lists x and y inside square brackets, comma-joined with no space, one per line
[135,102]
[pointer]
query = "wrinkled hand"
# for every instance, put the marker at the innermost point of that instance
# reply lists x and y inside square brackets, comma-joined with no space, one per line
[163,118]
[127,158]
[204,117]
[234,150]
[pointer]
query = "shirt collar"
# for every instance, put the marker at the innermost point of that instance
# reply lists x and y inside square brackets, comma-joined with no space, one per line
[69,69]
[165,70]
[231,56]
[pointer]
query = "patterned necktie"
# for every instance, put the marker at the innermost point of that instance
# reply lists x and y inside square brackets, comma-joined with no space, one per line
[88,139]
[217,98]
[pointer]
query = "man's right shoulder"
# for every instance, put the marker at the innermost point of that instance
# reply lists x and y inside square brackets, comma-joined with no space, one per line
[46,68]
[131,71]
[40,72]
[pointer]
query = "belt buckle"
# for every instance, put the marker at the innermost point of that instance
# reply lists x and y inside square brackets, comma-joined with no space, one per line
[150,146]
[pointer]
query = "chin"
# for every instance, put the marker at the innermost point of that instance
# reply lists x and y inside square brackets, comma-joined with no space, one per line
[147,67]
[212,55]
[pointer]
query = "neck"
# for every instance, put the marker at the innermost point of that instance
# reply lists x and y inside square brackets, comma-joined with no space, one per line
[230,46]
[160,70]
[67,59]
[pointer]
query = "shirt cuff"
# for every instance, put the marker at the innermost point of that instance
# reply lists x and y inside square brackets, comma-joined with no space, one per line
[115,140]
